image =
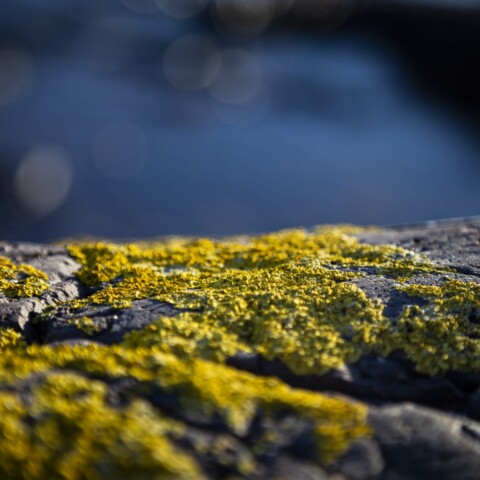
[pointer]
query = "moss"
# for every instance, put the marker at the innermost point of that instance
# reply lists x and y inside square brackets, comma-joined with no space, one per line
[20,280]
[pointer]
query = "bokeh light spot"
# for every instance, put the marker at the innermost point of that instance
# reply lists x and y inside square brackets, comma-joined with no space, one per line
[191,63]
[239,79]
[43,179]
[245,16]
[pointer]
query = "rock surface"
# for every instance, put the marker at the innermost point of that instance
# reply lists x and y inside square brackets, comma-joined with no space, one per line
[134,361]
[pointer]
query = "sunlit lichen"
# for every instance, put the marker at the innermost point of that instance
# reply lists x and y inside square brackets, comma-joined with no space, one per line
[69,432]
[444,334]
[290,296]
[10,339]
[85,324]
[287,296]
[21,280]
[206,387]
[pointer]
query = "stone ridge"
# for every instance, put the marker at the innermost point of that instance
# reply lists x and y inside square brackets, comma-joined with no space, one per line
[307,352]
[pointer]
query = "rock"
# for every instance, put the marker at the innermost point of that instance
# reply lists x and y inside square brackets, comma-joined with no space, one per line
[473,407]
[108,325]
[421,443]
[63,285]
[362,461]
[339,353]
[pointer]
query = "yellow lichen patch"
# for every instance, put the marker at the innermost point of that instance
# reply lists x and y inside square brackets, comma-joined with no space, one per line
[287,295]
[187,338]
[10,339]
[206,387]
[238,395]
[290,296]
[440,335]
[85,324]
[67,431]
[20,280]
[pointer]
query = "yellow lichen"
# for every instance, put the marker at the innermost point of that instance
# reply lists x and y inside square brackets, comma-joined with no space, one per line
[85,324]
[206,387]
[20,280]
[69,432]
[289,296]
[439,336]
[10,339]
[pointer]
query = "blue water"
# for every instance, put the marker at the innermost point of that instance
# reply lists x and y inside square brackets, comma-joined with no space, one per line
[336,132]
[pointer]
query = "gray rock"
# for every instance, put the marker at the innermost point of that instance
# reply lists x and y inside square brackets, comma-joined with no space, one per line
[63,285]
[420,443]
[362,461]
[110,324]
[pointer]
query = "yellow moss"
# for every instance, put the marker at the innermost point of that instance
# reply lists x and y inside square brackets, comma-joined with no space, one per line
[68,432]
[206,387]
[20,280]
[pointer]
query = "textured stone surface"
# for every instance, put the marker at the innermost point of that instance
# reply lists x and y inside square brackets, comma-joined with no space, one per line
[423,425]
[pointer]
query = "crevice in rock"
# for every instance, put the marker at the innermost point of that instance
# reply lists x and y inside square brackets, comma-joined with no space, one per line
[373,380]
[34,330]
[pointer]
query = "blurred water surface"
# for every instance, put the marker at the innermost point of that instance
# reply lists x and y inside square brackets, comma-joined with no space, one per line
[138,118]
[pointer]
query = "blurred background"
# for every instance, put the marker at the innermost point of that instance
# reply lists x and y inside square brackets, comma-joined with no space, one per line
[140,118]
